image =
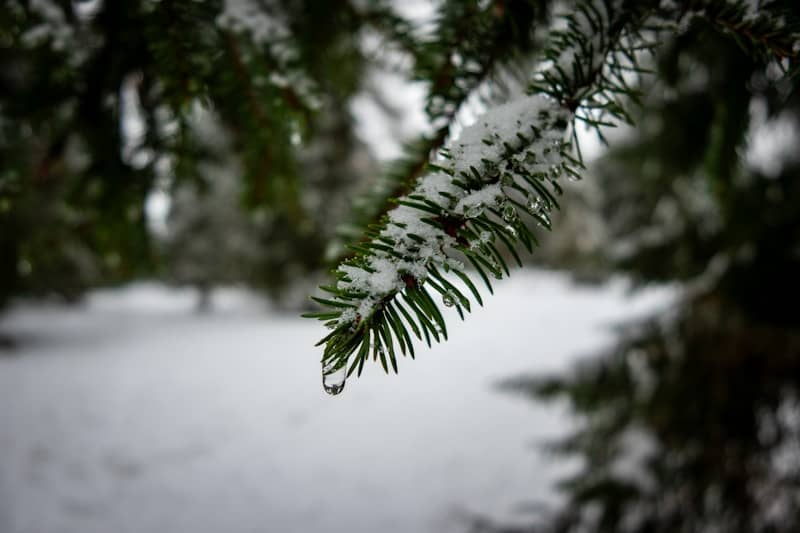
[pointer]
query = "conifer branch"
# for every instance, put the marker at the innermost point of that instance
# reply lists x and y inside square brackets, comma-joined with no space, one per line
[483,191]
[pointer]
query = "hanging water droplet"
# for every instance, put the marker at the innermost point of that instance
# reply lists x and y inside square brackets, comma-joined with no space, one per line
[334,375]
[448,299]
[474,211]
[573,178]
[509,213]
[511,230]
[555,171]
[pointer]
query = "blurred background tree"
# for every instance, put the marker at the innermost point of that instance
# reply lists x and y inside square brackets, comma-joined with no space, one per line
[107,107]
[691,422]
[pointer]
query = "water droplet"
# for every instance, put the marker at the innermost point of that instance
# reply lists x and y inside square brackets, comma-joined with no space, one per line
[573,178]
[511,230]
[474,211]
[448,299]
[509,213]
[334,375]
[487,237]
[543,220]
[535,204]
[555,171]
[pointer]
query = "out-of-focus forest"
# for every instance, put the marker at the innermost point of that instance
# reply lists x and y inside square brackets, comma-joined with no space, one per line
[233,114]
[691,421]
[218,143]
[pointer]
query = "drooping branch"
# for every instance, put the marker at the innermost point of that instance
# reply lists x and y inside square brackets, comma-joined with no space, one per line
[481,193]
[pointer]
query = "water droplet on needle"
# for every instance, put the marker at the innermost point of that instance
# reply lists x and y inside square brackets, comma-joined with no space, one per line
[448,299]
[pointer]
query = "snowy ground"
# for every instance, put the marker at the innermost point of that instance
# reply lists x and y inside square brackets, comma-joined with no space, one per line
[132,414]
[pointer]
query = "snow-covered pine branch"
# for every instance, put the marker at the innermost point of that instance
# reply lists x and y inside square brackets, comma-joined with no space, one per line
[484,190]
[465,206]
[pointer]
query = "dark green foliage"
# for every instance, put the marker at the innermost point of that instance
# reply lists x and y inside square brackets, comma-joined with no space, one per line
[74,183]
[690,425]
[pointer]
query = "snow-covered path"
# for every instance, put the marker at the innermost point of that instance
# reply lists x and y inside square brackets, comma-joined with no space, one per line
[131,414]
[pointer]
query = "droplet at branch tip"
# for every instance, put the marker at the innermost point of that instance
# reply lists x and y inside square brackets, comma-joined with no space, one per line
[333,377]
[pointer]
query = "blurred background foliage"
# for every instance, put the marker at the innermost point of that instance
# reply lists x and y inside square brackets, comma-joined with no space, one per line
[236,113]
[239,117]
[691,421]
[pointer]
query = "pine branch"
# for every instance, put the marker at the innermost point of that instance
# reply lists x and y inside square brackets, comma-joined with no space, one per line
[480,196]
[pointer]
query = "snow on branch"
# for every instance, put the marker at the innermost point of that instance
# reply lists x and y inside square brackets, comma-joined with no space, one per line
[484,191]
[473,197]
[429,221]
